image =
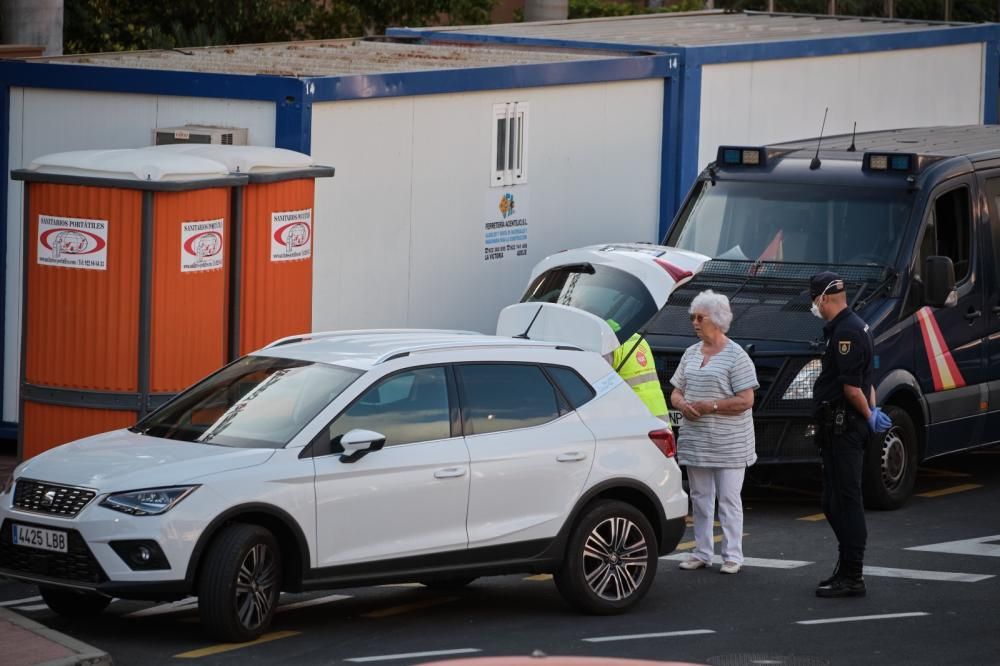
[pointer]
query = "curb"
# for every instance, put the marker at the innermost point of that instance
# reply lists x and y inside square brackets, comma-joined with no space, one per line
[85,654]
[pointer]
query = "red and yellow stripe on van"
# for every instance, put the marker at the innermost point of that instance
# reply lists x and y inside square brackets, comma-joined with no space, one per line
[944,370]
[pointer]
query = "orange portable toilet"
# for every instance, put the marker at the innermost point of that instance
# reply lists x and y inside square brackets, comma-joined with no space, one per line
[272,263]
[125,287]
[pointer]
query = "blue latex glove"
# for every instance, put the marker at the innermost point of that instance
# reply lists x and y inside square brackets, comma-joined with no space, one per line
[879,421]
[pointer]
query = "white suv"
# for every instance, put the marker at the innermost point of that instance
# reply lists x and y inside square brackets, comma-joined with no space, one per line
[357,458]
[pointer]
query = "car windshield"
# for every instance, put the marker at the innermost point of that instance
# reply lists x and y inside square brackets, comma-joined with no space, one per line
[600,290]
[255,402]
[788,222]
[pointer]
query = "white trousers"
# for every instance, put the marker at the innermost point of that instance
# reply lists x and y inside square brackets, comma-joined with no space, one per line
[706,484]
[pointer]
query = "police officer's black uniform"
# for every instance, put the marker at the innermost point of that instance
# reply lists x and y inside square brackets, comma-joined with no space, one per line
[842,434]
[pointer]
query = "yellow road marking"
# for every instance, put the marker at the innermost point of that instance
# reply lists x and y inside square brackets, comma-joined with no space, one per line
[540,577]
[815,517]
[688,545]
[406,608]
[403,585]
[951,491]
[942,473]
[226,647]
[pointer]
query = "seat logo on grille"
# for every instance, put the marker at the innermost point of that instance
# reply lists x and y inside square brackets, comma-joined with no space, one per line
[49,498]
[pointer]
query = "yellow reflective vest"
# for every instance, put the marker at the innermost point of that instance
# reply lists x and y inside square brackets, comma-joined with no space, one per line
[639,372]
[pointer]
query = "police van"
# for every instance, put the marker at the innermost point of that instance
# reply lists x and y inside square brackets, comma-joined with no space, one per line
[911,220]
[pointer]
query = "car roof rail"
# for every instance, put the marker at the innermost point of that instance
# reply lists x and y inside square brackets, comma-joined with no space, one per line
[303,337]
[471,344]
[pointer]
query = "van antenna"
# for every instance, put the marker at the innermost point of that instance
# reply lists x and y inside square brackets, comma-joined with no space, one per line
[814,164]
[524,336]
[854,133]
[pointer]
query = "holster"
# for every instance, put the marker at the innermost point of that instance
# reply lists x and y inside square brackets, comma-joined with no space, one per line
[831,420]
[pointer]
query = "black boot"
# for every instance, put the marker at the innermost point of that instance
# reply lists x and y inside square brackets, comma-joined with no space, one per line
[848,583]
[832,577]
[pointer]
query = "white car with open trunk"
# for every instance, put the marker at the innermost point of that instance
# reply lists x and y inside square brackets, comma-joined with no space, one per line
[356,458]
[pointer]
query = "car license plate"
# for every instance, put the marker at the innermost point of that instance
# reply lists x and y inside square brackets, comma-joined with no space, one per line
[676,418]
[36,537]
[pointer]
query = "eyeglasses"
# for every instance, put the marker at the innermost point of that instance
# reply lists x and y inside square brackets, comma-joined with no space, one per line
[697,318]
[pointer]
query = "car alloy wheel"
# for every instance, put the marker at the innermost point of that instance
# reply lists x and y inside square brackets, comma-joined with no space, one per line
[239,583]
[614,558]
[255,583]
[610,560]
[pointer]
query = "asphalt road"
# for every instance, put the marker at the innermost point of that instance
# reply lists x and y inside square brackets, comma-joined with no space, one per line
[932,606]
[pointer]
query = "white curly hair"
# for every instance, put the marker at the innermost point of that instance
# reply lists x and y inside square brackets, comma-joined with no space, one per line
[715,307]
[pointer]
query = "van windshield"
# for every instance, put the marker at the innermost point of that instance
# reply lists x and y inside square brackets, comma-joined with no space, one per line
[818,224]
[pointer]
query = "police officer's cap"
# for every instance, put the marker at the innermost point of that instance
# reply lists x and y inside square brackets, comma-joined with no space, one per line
[826,282]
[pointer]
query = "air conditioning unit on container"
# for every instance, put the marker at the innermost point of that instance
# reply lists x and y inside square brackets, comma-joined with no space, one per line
[230,136]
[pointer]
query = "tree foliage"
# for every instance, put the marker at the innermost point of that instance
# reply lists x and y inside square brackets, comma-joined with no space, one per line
[126,25]
[599,8]
[972,11]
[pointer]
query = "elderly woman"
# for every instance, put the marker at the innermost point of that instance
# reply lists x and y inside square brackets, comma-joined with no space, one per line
[713,389]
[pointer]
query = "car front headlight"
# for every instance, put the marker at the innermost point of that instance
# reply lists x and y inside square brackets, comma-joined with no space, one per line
[149,502]
[801,387]
[8,484]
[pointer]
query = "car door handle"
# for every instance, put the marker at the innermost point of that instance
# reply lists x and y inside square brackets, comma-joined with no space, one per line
[996,310]
[449,472]
[972,315]
[572,456]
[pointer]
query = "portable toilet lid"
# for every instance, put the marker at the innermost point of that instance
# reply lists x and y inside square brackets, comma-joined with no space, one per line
[259,163]
[132,168]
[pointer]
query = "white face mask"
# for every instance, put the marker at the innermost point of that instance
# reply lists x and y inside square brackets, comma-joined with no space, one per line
[815,310]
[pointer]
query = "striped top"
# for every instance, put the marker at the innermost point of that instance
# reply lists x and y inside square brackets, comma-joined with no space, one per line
[716,440]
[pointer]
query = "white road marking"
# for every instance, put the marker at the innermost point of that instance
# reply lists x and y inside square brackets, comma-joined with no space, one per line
[313,602]
[636,637]
[749,561]
[917,574]
[36,607]
[413,655]
[862,618]
[980,546]
[15,602]
[185,604]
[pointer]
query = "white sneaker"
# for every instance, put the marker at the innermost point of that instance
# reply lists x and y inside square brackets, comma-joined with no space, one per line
[693,563]
[730,568]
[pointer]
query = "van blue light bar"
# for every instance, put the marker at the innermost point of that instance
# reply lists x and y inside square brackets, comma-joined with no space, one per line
[890,162]
[742,156]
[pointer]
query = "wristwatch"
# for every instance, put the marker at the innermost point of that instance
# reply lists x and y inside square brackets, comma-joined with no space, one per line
[715,406]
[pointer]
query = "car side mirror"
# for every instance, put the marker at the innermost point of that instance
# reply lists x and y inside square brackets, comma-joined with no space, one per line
[939,282]
[358,443]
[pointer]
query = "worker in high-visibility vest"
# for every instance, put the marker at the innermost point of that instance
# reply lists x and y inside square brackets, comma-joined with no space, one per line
[639,372]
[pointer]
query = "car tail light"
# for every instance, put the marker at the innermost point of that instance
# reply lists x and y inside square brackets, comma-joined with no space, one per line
[675,271]
[664,440]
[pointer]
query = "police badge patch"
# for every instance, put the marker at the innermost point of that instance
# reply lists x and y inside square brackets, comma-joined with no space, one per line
[844,346]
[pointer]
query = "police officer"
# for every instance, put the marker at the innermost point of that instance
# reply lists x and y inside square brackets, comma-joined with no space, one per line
[633,361]
[846,416]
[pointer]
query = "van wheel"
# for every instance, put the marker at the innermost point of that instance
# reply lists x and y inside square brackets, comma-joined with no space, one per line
[891,463]
[239,583]
[73,603]
[610,559]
